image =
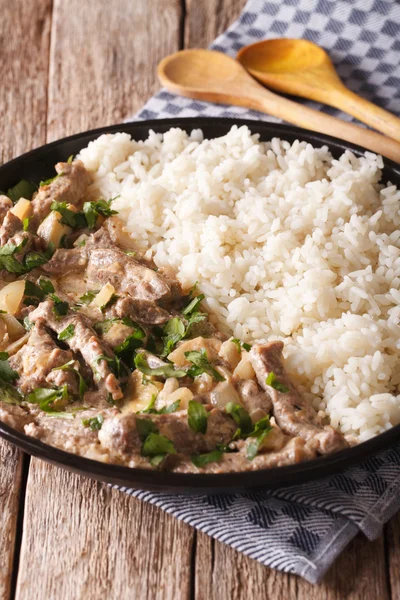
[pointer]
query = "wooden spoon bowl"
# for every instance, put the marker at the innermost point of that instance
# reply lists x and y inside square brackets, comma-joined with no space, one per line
[304,69]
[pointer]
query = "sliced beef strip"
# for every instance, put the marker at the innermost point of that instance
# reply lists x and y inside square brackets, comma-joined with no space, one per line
[126,274]
[69,187]
[142,311]
[11,225]
[252,397]
[66,261]
[119,434]
[17,416]
[84,340]
[5,205]
[294,415]
[296,450]
[36,359]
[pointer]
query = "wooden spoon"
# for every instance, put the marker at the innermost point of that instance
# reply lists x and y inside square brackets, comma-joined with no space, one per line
[215,77]
[304,69]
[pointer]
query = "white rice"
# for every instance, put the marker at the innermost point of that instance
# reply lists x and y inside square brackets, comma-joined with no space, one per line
[286,243]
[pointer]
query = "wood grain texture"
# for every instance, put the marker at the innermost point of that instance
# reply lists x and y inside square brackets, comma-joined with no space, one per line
[83,540]
[392,538]
[206,19]
[24,52]
[224,574]
[104,57]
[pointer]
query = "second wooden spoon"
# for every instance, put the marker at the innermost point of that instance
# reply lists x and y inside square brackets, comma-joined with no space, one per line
[215,77]
[304,69]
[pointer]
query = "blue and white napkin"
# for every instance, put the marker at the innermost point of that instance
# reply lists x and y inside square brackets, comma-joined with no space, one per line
[303,529]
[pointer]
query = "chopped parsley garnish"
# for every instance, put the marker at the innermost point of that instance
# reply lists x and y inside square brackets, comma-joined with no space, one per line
[200,460]
[6,372]
[86,217]
[193,304]
[89,296]
[8,260]
[69,367]
[277,385]
[156,444]
[257,436]
[60,307]
[201,364]
[197,417]
[100,207]
[23,189]
[66,333]
[25,223]
[239,345]
[33,290]
[45,397]
[109,302]
[145,427]
[49,181]
[173,330]
[9,394]
[164,371]
[75,220]
[46,286]
[240,416]
[165,410]
[127,348]
[95,423]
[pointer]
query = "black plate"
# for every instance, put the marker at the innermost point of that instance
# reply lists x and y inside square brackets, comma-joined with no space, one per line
[39,165]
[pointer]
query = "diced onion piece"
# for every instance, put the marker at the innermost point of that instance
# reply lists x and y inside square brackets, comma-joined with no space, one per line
[11,296]
[244,370]
[51,230]
[4,337]
[17,345]
[230,353]
[104,295]
[211,346]
[139,395]
[183,394]
[223,393]
[22,209]
[14,327]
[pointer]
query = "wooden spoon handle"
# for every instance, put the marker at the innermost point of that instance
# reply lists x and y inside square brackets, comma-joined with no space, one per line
[365,111]
[261,99]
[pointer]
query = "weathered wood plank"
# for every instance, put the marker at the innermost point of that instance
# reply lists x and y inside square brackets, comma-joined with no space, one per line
[392,538]
[223,574]
[82,539]
[103,59]
[206,19]
[24,51]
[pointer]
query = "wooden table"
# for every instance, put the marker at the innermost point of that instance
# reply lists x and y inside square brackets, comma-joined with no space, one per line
[67,66]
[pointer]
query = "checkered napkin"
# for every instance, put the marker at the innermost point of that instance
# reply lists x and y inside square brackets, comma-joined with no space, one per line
[302,529]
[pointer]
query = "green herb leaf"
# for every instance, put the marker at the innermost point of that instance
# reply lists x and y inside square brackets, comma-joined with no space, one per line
[193,304]
[9,394]
[95,423]
[31,289]
[8,260]
[66,333]
[89,296]
[174,330]
[240,416]
[165,371]
[200,460]
[155,461]
[170,408]
[145,427]
[46,286]
[156,444]
[25,223]
[45,397]
[70,159]
[197,417]
[131,343]
[60,307]
[6,372]
[277,385]
[247,347]
[49,181]
[202,365]
[165,410]
[69,367]
[75,220]
[23,189]
[100,207]
[34,259]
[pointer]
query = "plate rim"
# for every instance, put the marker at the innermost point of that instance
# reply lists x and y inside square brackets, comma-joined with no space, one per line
[201,483]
